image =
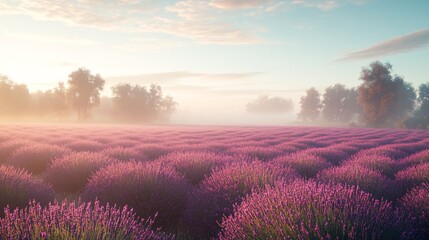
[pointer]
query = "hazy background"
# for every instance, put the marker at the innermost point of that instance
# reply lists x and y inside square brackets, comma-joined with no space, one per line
[214,56]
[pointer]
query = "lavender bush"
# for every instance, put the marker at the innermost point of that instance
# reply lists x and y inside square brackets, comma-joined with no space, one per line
[36,157]
[368,180]
[331,155]
[70,173]
[312,211]
[416,204]
[413,176]
[8,147]
[76,220]
[217,194]
[17,187]
[195,165]
[123,153]
[383,164]
[147,188]
[307,165]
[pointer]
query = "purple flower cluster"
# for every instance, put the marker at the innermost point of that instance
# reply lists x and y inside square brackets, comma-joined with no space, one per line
[381,163]
[416,204]
[366,179]
[17,187]
[36,157]
[307,165]
[123,153]
[76,220]
[70,173]
[195,165]
[331,155]
[191,177]
[149,189]
[216,195]
[414,175]
[311,211]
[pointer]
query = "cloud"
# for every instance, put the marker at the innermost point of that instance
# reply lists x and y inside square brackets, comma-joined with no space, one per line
[239,4]
[192,19]
[51,39]
[174,77]
[206,22]
[404,43]
[325,5]
[199,21]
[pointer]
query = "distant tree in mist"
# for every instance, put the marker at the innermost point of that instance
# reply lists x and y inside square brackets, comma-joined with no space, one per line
[420,118]
[310,105]
[52,102]
[137,103]
[83,91]
[266,104]
[339,103]
[384,99]
[14,98]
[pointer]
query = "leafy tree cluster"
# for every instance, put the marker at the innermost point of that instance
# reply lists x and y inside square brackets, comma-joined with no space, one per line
[310,105]
[81,94]
[14,98]
[136,103]
[420,118]
[339,104]
[382,100]
[266,104]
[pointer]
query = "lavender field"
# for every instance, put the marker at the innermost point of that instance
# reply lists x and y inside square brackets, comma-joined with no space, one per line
[112,182]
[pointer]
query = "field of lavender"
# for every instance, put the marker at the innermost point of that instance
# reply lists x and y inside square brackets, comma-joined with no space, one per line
[112,182]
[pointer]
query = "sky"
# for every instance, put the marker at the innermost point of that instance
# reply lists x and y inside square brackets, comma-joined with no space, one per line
[214,56]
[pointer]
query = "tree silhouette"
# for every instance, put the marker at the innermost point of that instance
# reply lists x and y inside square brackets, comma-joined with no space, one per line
[266,104]
[420,119]
[310,105]
[14,98]
[84,91]
[136,103]
[423,110]
[339,103]
[384,98]
[51,102]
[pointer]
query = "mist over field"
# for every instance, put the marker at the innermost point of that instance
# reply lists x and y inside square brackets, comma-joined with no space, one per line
[214,119]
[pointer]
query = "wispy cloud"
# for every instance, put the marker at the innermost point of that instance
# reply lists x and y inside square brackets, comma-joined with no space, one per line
[174,77]
[51,38]
[404,43]
[209,21]
[239,4]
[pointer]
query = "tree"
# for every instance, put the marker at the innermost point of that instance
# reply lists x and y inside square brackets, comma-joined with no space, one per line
[405,99]
[339,103]
[310,105]
[420,119]
[83,92]
[5,94]
[136,103]
[266,104]
[60,107]
[384,98]
[350,106]
[52,102]
[14,98]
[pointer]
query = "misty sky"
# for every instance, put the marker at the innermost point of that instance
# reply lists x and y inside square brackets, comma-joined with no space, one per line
[214,56]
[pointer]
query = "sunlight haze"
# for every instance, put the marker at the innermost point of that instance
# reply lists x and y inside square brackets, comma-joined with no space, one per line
[214,56]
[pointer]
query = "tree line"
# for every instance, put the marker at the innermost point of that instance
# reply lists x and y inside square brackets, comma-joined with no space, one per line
[381,100]
[82,92]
